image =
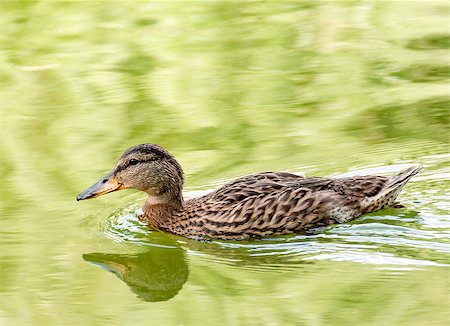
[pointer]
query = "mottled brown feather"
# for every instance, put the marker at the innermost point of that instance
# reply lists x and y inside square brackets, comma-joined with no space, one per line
[269,204]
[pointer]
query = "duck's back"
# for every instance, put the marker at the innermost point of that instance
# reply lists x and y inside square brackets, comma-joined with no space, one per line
[270,203]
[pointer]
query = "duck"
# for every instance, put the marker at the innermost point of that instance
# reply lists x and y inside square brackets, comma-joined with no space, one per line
[254,206]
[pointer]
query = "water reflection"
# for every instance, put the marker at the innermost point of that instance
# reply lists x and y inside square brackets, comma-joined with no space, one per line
[157,274]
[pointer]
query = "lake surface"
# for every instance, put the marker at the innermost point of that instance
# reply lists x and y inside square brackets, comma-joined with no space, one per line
[230,88]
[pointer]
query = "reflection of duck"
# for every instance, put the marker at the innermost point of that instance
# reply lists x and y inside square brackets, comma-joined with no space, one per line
[258,205]
[155,275]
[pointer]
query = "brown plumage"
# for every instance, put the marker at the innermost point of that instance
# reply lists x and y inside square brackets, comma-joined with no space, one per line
[254,206]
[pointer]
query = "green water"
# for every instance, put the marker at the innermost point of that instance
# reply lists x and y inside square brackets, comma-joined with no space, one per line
[230,88]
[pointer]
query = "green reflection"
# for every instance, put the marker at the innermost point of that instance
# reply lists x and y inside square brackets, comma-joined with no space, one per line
[438,41]
[157,274]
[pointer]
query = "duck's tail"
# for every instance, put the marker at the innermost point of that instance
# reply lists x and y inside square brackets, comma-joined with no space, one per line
[400,179]
[392,188]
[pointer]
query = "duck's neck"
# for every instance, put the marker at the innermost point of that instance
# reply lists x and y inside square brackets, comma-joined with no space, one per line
[160,211]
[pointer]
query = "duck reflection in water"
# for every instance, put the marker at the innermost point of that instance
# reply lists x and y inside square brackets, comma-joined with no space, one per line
[157,274]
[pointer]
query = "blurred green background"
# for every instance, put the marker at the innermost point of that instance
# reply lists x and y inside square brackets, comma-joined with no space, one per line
[230,88]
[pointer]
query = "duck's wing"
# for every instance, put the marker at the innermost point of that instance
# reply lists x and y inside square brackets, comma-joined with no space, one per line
[265,183]
[257,206]
[359,186]
[352,189]
[245,214]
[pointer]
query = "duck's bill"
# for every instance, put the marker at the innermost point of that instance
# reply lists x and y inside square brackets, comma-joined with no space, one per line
[103,186]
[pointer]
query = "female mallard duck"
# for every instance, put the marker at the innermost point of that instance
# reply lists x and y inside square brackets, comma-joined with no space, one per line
[254,206]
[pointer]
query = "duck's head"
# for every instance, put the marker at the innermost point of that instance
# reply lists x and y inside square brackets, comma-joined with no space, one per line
[146,167]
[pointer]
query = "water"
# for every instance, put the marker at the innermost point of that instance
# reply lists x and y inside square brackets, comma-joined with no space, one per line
[316,88]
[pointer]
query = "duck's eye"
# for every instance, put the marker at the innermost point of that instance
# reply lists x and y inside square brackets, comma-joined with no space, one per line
[133,161]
